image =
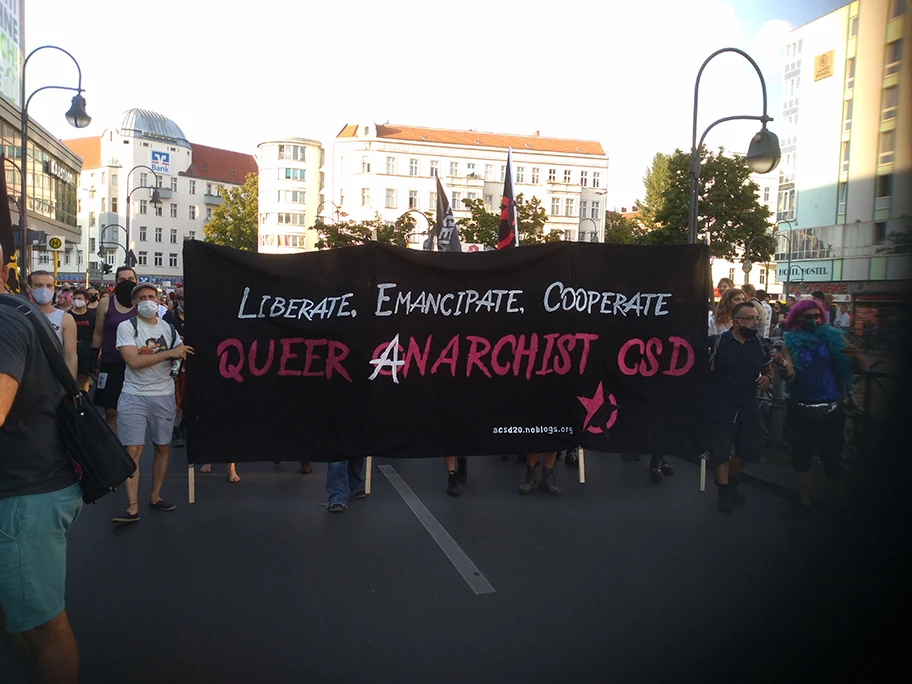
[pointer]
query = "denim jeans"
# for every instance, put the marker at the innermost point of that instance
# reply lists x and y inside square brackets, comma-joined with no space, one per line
[344,478]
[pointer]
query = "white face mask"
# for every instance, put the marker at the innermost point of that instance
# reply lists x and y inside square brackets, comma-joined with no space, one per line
[78,303]
[147,309]
[42,295]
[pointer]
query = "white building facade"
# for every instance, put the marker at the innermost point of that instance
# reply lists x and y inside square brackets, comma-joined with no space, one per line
[845,192]
[388,170]
[291,192]
[120,169]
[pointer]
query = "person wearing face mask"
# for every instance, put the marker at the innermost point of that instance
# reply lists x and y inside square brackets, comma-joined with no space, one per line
[85,328]
[739,365]
[818,365]
[41,288]
[109,364]
[148,346]
[93,299]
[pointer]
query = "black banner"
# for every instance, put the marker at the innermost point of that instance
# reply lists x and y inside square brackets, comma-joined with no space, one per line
[384,351]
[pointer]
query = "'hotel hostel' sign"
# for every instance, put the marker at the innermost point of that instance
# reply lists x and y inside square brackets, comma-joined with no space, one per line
[823,65]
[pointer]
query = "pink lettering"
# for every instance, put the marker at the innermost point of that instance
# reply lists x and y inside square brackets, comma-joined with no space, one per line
[452,349]
[475,355]
[678,343]
[521,351]
[622,356]
[653,347]
[546,356]
[413,355]
[310,357]
[251,360]
[287,355]
[231,371]
[565,345]
[586,338]
[338,352]
[499,368]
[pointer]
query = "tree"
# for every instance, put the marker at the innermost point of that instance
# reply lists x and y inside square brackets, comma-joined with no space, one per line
[482,226]
[729,211]
[234,223]
[656,182]
[349,233]
[619,230]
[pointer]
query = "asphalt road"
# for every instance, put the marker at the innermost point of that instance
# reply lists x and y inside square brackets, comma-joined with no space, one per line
[618,580]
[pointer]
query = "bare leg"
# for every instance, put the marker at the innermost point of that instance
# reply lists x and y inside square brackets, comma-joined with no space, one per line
[207,468]
[49,651]
[736,465]
[532,460]
[550,458]
[111,419]
[232,473]
[722,473]
[450,463]
[131,486]
[159,470]
[84,383]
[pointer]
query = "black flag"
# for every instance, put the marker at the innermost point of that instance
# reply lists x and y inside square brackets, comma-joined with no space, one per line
[447,233]
[506,236]
[7,241]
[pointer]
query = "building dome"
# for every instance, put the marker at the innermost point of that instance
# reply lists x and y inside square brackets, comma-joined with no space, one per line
[141,123]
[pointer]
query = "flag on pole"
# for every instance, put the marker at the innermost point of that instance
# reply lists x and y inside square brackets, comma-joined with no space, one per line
[506,236]
[7,241]
[447,233]
[429,243]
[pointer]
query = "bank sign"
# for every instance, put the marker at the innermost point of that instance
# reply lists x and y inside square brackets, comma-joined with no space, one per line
[10,30]
[813,271]
[161,162]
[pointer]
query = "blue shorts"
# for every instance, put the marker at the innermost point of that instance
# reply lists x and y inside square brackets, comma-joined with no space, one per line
[33,555]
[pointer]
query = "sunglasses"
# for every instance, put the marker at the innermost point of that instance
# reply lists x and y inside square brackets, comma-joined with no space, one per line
[815,317]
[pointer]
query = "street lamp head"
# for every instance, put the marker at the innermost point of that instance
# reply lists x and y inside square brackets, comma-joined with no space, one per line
[747,266]
[156,198]
[77,116]
[763,153]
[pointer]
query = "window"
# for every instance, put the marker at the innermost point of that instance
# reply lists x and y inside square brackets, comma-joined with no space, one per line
[731,274]
[596,179]
[471,196]
[158,181]
[850,73]
[158,234]
[193,187]
[897,8]
[208,188]
[158,258]
[143,207]
[66,258]
[143,258]
[174,236]
[568,235]
[92,245]
[879,234]
[172,260]
[535,175]
[847,117]
[142,234]
[365,165]
[292,196]
[114,204]
[842,197]
[433,200]
[295,152]
[470,169]
[44,258]
[489,172]
[488,202]
[143,179]
[92,218]
[555,206]
[454,168]
[173,210]
[520,174]
[104,205]
[457,201]
[845,157]
[365,197]
[883,191]
[173,184]
[766,193]
[890,102]
[290,218]
[853,26]
[391,165]
[413,199]
[893,58]
[584,179]
[596,208]
[570,207]
[109,258]
[566,175]
[503,172]
[413,167]
[114,179]
[887,147]
[287,174]
[192,212]
[191,235]
[158,210]
[552,175]
[390,198]
[208,213]
[763,276]
[584,208]
[434,167]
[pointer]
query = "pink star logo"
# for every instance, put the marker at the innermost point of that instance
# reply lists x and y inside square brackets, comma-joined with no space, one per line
[593,406]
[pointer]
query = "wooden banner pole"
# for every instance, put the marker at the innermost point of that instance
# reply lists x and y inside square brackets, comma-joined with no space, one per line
[582,465]
[191,483]
[368,464]
[703,472]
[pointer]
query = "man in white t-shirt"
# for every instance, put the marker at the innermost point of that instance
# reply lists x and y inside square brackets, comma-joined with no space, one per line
[148,346]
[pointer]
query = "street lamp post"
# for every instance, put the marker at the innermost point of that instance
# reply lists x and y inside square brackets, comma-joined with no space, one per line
[430,227]
[155,200]
[762,153]
[76,116]
[595,225]
[102,241]
[336,209]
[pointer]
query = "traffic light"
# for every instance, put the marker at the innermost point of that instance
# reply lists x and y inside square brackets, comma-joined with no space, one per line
[105,267]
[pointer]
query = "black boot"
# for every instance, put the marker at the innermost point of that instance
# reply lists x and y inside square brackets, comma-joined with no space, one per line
[548,483]
[529,483]
[734,493]
[724,502]
[462,469]
[452,484]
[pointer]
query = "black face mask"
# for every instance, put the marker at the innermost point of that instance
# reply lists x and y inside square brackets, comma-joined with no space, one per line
[123,291]
[93,297]
[748,332]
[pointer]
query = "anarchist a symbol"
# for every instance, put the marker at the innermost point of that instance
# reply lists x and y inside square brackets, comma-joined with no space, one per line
[599,415]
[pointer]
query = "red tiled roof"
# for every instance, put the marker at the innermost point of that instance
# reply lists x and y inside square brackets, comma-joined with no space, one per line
[475,138]
[212,163]
[87,148]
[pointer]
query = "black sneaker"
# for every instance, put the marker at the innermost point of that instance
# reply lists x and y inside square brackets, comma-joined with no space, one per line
[126,517]
[734,493]
[462,469]
[723,504]
[548,483]
[336,508]
[655,470]
[359,494]
[529,483]
[797,512]
[452,485]
[162,505]
[667,470]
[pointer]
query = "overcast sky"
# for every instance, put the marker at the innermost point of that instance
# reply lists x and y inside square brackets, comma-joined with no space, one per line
[232,75]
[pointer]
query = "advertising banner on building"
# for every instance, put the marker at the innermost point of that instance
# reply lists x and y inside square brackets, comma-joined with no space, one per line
[161,162]
[10,50]
[383,351]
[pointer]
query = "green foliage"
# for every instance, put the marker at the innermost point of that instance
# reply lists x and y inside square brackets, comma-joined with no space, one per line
[234,223]
[349,233]
[619,230]
[482,226]
[729,212]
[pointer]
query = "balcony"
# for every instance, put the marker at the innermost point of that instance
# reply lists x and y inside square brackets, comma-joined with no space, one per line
[213,200]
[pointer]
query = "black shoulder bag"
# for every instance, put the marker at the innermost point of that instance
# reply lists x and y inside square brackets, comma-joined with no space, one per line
[101,462]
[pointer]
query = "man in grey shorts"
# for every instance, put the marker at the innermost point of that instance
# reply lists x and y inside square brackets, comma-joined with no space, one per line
[148,346]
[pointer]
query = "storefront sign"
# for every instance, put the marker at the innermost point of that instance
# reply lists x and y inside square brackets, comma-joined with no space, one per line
[826,288]
[58,170]
[823,65]
[161,162]
[805,270]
